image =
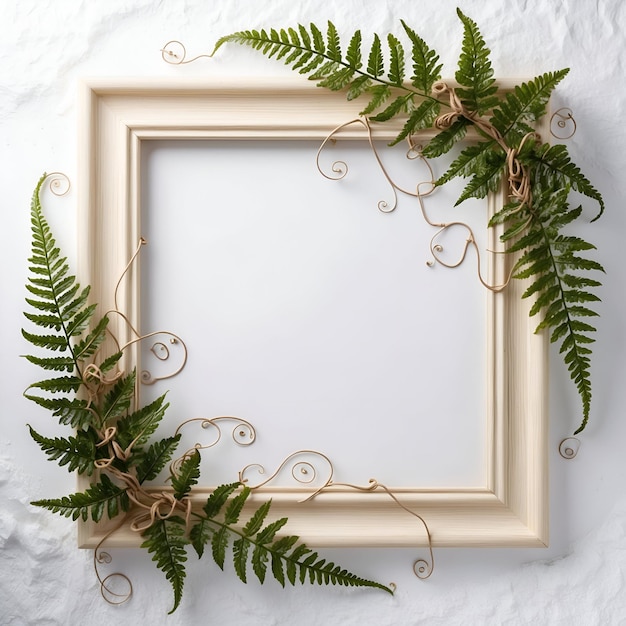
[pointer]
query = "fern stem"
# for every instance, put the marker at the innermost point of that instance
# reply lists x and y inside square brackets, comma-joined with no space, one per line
[381,81]
[287,557]
[584,392]
[41,224]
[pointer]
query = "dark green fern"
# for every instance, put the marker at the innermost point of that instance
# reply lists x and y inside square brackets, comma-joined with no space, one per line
[100,498]
[255,544]
[554,263]
[120,464]
[61,313]
[504,123]
[166,541]
[475,74]
[320,57]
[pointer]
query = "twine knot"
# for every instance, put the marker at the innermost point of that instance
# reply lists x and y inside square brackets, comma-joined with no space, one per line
[518,176]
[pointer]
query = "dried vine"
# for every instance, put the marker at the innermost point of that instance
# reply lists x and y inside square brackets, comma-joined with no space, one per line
[112,443]
[539,176]
[112,440]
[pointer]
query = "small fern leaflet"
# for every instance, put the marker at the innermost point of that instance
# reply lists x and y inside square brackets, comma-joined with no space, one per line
[475,73]
[166,541]
[99,498]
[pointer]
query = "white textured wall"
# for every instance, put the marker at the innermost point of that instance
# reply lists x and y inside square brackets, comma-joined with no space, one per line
[45,46]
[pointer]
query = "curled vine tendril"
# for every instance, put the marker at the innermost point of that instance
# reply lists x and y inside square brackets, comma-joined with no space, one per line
[58,183]
[518,180]
[303,471]
[563,124]
[422,568]
[339,169]
[159,349]
[436,249]
[568,448]
[243,434]
[175,53]
[110,595]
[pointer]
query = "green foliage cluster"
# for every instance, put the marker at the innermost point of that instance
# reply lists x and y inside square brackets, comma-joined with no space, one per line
[555,263]
[82,399]
[68,336]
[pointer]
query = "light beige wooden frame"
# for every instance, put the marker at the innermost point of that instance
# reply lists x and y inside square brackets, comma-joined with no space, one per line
[118,115]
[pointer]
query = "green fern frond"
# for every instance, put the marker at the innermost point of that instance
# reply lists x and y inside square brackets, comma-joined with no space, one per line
[151,462]
[426,69]
[420,118]
[99,498]
[444,141]
[509,211]
[552,166]
[47,342]
[242,545]
[375,60]
[256,521]
[396,61]
[110,362]
[525,104]
[61,307]
[320,57]
[400,105]
[553,262]
[379,94]
[57,364]
[259,545]
[140,424]
[61,384]
[470,162]
[333,46]
[88,346]
[117,400]
[200,534]
[78,453]
[486,179]
[358,87]
[353,53]
[57,300]
[218,499]
[475,73]
[260,555]
[235,505]
[74,412]
[219,545]
[187,475]
[166,541]
[241,550]
[325,572]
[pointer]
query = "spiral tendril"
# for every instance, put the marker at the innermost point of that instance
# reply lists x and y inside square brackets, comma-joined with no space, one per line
[58,183]
[341,168]
[303,472]
[563,120]
[159,349]
[568,448]
[243,434]
[111,595]
[518,180]
[175,53]
[421,567]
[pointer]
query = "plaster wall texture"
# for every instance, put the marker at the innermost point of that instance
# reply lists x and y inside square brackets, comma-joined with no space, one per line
[45,46]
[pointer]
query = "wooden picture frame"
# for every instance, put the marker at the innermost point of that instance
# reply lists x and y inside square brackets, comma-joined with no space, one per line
[511,509]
